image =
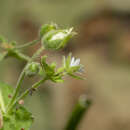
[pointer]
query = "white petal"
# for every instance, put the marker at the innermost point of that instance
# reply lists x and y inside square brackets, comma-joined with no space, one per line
[77,62]
[59,35]
[72,61]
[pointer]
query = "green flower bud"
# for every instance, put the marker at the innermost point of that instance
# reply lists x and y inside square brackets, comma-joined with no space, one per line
[46,28]
[57,39]
[32,69]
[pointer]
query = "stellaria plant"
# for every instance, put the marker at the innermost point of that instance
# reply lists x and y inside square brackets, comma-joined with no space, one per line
[13,115]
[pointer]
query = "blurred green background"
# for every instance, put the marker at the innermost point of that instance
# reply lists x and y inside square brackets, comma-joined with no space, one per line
[103,45]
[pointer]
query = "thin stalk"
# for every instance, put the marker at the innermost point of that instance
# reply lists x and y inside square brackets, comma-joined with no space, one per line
[34,86]
[38,52]
[21,78]
[24,94]
[23,57]
[27,44]
[18,85]
[19,55]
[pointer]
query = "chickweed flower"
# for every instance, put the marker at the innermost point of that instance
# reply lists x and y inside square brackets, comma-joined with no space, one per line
[72,66]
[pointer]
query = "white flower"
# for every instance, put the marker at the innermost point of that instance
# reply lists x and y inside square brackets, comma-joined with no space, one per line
[74,62]
[72,66]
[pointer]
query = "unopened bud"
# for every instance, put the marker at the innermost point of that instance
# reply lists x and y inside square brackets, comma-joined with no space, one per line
[57,39]
[32,69]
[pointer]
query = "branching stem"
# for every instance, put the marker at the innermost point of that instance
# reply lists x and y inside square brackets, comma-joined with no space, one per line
[21,78]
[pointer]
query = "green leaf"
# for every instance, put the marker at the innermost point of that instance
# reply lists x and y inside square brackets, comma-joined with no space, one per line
[3,55]
[75,76]
[2,39]
[19,118]
[5,92]
[49,70]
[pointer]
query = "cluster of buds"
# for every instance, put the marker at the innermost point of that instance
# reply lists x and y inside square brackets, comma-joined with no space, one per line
[53,38]
[32,69]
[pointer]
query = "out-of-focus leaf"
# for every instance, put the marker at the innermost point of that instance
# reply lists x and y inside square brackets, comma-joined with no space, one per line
[78,112]
[19,118]
[3,55]
[5,92]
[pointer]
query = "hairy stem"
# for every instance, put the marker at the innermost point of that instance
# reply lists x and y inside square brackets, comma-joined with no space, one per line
[34,86]
[21,78]
[27,44]
[18,55]
[18,85]
[38,52]
[24,94]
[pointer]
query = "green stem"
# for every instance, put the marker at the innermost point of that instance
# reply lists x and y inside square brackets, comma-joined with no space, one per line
[18,85]
[22,75]
[18,55]
[23,57]
[35,86]
[24,94]
[38,52]
[27,44]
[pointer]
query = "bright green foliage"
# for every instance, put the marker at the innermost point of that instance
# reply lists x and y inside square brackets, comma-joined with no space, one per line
[17,120]
[50,71]
[19,117]
[5,92]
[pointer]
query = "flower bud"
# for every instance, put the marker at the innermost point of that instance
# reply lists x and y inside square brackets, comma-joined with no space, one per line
[57,39]
[46,28]
[32,69]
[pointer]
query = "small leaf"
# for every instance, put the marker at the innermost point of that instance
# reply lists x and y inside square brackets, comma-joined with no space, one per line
[5,90]
[48,69]
[75,76]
